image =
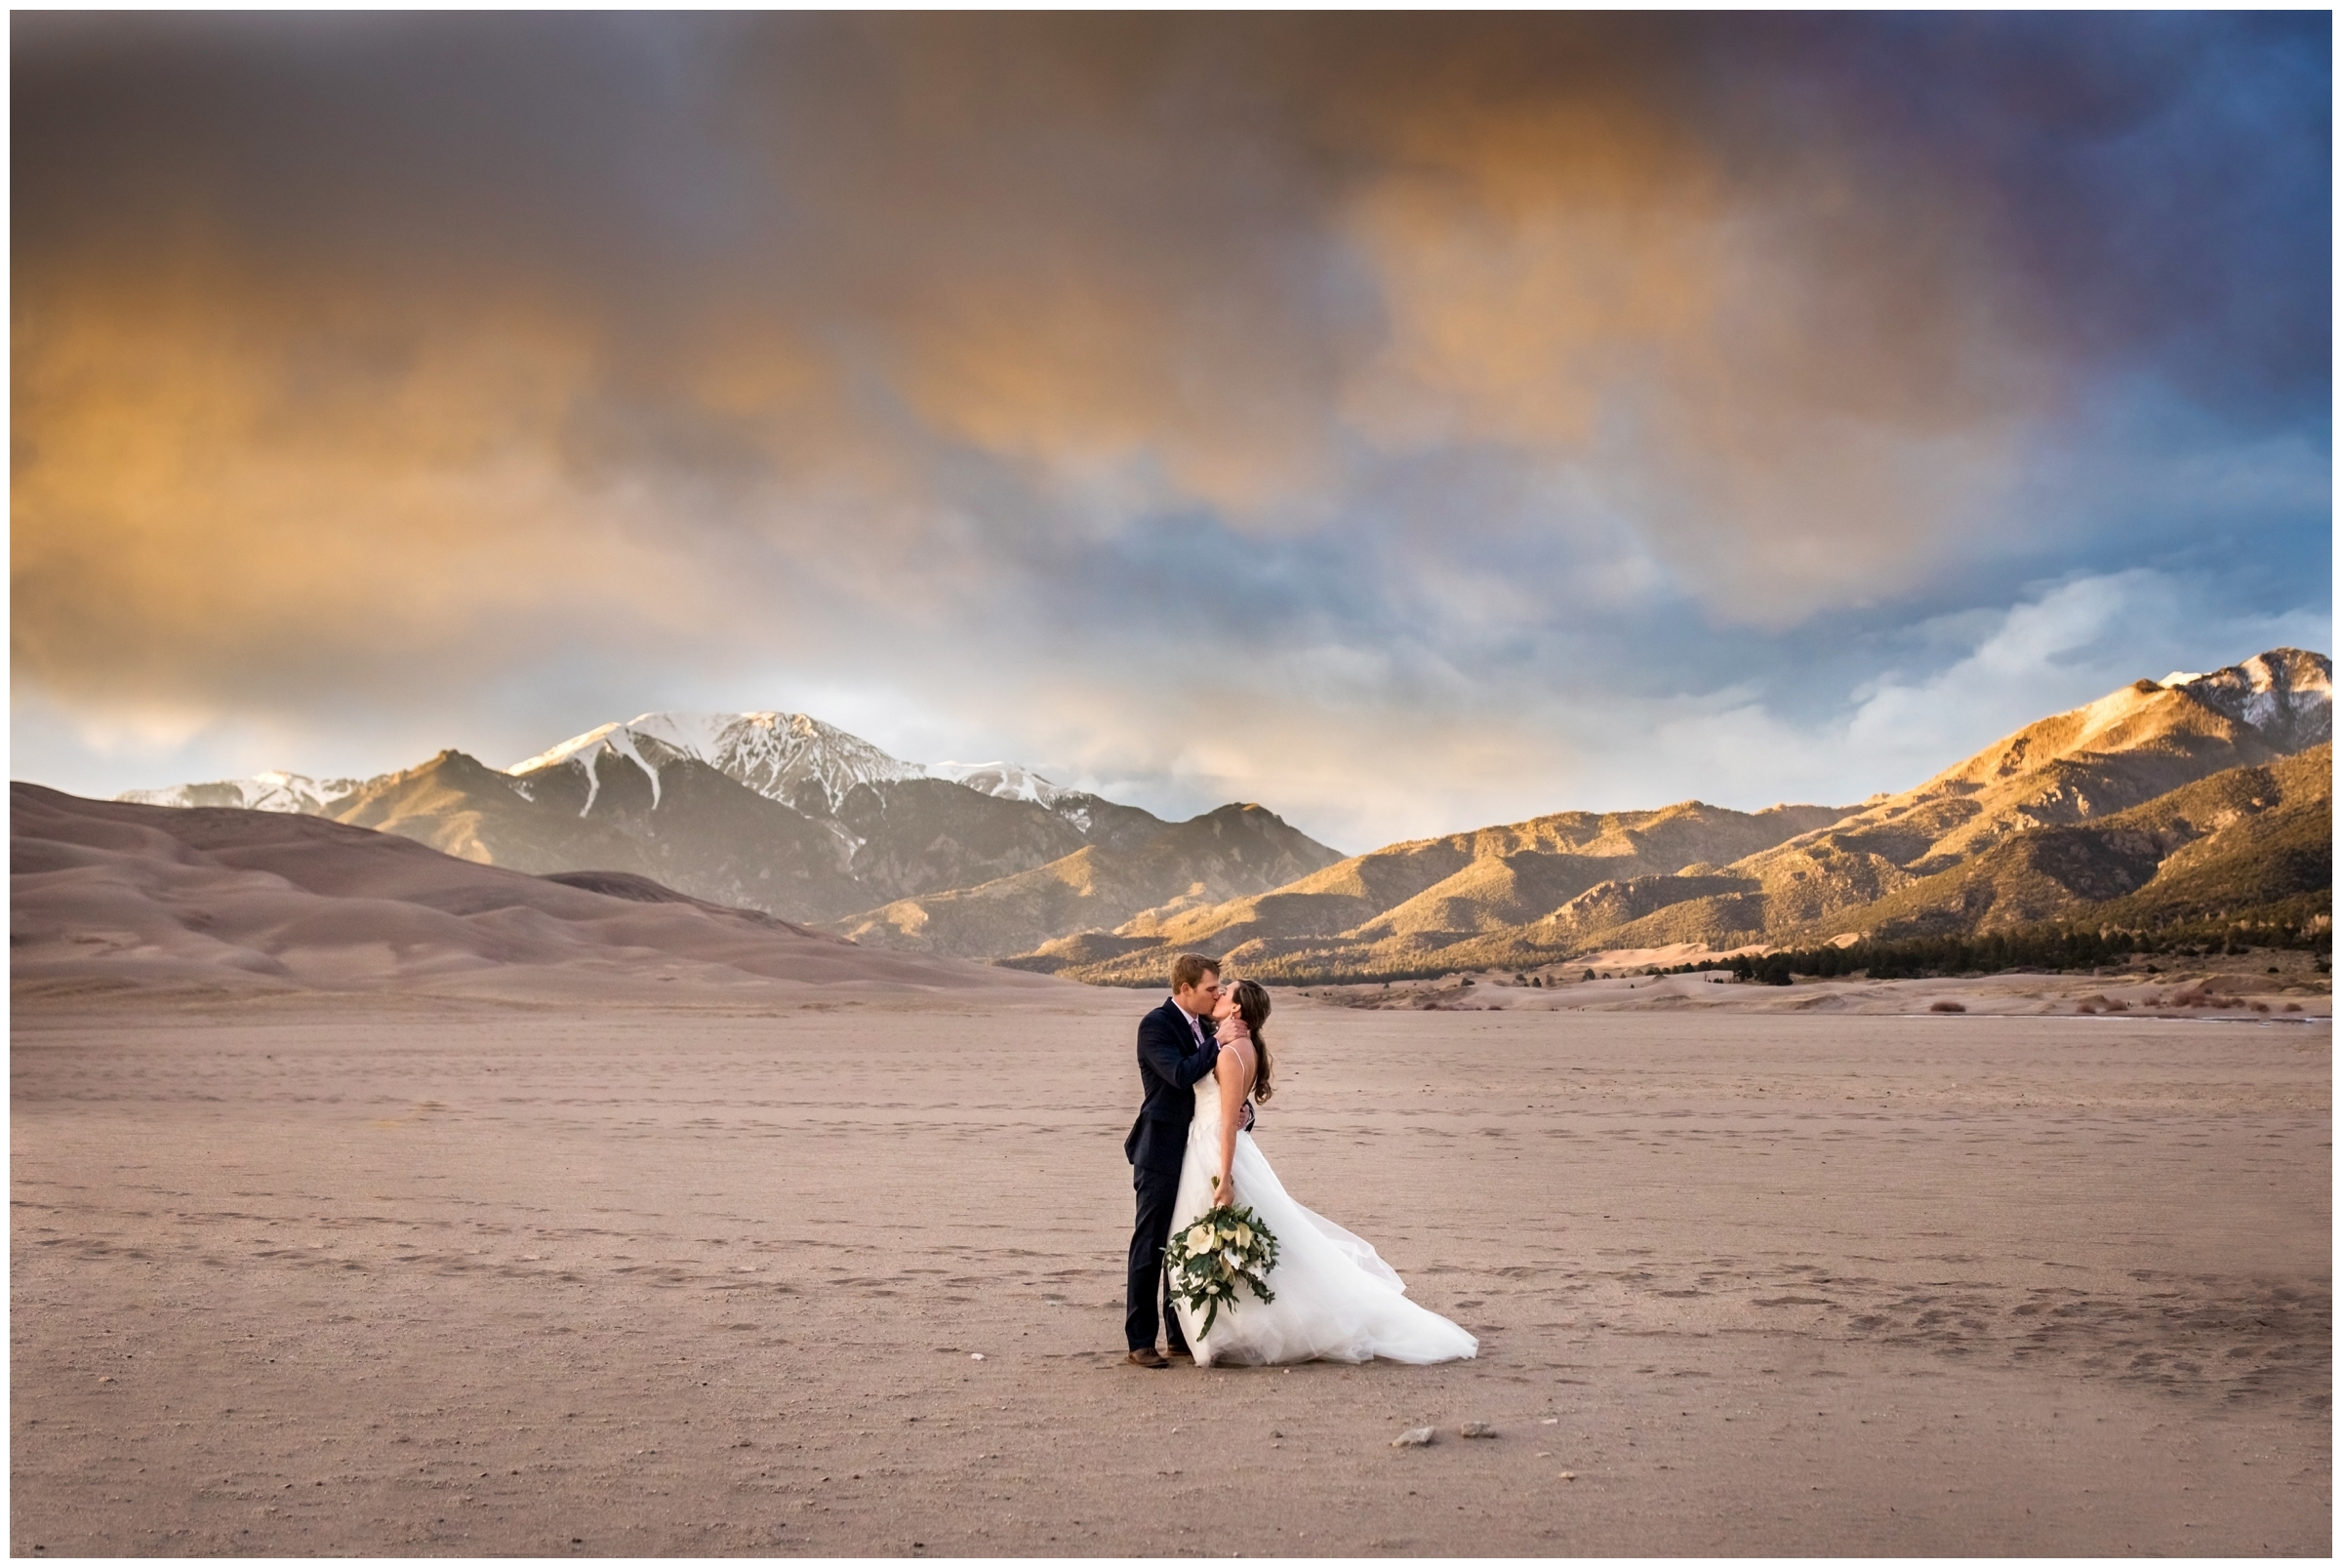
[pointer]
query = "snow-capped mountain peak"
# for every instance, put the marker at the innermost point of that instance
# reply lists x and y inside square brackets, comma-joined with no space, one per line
[1009,781]
[2285,693]
[565,751]
[274,791]
[587,751]
[776,754]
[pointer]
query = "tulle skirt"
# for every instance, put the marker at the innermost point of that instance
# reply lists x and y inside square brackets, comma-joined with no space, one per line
[1336,1298]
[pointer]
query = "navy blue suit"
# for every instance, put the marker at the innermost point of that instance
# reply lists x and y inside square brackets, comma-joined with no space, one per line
[1171,1062]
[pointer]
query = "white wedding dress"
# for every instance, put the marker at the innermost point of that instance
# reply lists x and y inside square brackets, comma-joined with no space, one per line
[1336,1300]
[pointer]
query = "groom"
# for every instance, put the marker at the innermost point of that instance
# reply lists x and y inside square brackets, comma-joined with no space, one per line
[1175,1051]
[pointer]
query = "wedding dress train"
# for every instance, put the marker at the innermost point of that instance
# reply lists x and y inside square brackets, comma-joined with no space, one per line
[1336,1300]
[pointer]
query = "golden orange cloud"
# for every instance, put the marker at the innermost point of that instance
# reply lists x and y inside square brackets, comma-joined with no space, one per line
[206,482]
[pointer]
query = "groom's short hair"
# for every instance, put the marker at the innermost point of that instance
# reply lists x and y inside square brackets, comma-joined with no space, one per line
[1189,968]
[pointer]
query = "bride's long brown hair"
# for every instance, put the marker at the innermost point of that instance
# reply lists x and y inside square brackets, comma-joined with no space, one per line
[1252,1005]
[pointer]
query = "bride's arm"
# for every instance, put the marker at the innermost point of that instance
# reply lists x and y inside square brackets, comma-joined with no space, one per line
[1234,1072]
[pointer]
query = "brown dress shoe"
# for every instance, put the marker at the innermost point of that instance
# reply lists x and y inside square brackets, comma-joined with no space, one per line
[1147,1355]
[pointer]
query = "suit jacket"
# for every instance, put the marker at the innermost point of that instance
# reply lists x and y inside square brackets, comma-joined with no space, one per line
[1170,1066]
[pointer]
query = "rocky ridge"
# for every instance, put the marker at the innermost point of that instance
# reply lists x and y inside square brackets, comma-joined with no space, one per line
[2051,822]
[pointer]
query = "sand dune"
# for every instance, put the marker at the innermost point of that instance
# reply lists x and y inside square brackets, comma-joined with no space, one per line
[105,895]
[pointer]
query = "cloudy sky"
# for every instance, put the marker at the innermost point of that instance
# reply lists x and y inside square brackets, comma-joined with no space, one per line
[1407,422]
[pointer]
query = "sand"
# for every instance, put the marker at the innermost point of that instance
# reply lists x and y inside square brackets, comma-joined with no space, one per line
[309,1272]
[107,897]
[2274,985]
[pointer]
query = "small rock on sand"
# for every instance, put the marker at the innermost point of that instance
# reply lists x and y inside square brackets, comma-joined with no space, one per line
[1414,1437]
[1476,1428]
[1568,1475]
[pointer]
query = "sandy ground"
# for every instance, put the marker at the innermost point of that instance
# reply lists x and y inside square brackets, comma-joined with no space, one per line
[370,1274]
[2281,985]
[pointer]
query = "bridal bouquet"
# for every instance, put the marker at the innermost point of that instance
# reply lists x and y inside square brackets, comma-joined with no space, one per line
[1224,1247]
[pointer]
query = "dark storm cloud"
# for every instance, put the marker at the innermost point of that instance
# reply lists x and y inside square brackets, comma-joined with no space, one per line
[1475,379]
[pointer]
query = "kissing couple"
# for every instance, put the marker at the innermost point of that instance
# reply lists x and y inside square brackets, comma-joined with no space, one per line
[1203,1063]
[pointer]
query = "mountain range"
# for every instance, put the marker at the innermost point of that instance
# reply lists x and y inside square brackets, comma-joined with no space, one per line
[2196,796]
[784,814]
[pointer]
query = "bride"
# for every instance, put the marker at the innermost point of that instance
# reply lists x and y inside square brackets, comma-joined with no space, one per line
[1336,1301]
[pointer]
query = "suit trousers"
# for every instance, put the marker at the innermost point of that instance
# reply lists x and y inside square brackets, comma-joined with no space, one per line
[1149,1294]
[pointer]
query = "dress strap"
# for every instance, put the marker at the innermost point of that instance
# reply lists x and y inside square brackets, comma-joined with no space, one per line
[1251,1063]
